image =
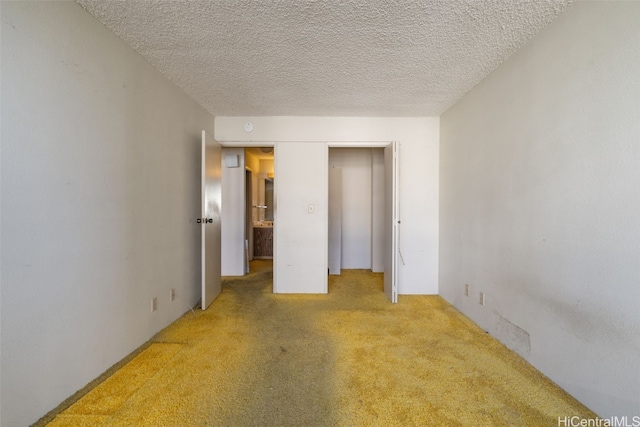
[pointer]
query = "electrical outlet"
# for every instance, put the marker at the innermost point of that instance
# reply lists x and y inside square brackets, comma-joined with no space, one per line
[154,304]
[481,298]
[172,294]
[467,288]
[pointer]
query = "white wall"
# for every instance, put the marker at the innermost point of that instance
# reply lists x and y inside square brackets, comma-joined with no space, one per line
[300,235]
[267,166]
[377,210]
[334,221]
[100,193]
[539,204]
[355,164]
[233,214]
[419,159]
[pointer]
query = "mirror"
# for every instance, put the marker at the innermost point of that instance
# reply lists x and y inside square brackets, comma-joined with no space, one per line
[268,199]
[265,199]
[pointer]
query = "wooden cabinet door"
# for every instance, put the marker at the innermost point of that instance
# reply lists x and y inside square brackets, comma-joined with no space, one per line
[263,242]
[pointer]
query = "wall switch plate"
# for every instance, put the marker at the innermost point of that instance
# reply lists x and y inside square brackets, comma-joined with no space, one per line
[466,290]
[154,304]
[310,209]
[172,294]
[482,298]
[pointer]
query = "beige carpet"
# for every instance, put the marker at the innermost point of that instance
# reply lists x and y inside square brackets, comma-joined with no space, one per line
[349,358]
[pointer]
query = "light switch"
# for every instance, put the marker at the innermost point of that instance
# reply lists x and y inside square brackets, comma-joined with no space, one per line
[310,209]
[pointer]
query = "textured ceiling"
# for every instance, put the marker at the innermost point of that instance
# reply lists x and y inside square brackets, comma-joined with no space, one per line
[326,58]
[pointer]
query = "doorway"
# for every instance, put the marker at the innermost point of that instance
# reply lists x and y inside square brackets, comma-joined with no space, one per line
[356,193]
[363,212]
[260,212]
[243,175]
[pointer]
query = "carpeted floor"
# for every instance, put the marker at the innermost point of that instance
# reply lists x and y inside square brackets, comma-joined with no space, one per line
[349,358]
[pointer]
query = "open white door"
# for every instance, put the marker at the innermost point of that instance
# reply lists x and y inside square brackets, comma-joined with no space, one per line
[391,221]
[210,220]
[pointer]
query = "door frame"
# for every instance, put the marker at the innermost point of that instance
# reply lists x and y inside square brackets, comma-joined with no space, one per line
[249,213]
[392,282]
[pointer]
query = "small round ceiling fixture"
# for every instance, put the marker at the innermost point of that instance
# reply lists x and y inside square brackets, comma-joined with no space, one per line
[248,127]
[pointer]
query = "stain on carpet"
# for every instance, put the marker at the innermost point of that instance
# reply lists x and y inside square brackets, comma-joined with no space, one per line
[104,400]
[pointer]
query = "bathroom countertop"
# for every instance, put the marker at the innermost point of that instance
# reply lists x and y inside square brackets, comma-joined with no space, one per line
[255,225]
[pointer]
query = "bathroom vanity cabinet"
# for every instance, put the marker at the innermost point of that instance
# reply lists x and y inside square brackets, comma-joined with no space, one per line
[263,242]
